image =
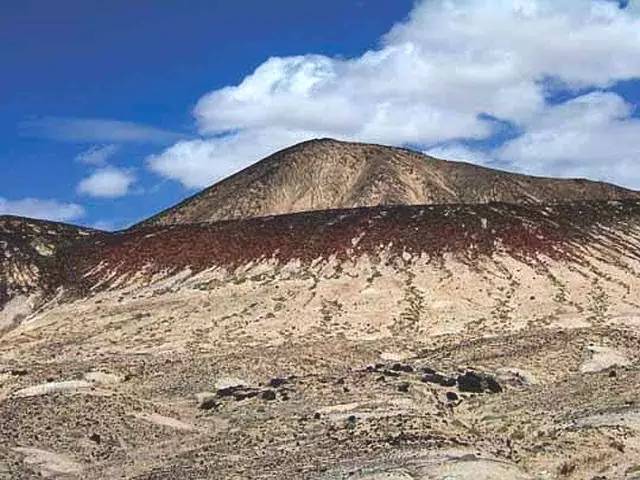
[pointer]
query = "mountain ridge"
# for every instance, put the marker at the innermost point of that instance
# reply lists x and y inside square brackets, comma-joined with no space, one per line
[326,174]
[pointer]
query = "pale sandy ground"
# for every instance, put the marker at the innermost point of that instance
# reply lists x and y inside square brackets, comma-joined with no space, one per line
[110,386]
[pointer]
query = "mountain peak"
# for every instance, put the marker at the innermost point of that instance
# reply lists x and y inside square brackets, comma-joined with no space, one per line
[326,173]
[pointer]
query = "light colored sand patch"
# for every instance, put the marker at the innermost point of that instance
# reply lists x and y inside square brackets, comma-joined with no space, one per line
[570,322]
[51,464]
[226,382]
[475,469]
[103,378]
[439,465]
[16,310]
[53,387]
[395,356]
[42,248]
[163,421]
[602,358]
[386,476]
[370,415]
[204,396]
[402,403]
[345,407]
[364,411]
[630,320]
[629,419]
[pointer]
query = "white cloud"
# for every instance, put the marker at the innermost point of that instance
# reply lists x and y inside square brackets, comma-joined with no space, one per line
[97,155]
[96,130]
[439,78]
[198,163]
[108,182]
[461,153]
[506,42]
[43,209]
[592,136]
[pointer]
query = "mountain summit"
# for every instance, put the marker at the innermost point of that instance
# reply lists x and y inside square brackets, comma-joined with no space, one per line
[329,174]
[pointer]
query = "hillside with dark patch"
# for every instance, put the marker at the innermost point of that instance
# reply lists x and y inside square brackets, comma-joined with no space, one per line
[29,254]
[405,342]
[328,174]
[524,232]
[44,256]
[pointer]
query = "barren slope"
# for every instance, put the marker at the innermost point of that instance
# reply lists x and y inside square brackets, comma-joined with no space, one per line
[29,261]
[328,174]
[403,343]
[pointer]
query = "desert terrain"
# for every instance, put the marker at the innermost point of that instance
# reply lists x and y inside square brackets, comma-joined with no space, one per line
[472,339]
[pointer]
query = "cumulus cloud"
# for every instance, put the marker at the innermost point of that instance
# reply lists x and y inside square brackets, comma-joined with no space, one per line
[462,153]
[593,135]
[108,182]
[43,209]
[97,155]
[453,72]
[96,130]
[198,163]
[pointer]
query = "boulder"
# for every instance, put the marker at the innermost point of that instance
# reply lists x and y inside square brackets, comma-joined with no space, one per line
[475,382]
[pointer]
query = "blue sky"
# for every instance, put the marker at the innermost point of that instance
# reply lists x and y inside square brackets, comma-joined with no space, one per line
[111,111]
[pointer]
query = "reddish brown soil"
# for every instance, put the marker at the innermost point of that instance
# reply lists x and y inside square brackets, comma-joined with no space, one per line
[468,231]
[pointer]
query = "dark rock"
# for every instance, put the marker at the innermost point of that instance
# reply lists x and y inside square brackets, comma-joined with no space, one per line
[492,385]
[238,392]
[351,421]
[470,382]
[269,395]
[277,382]
[612,374]
[246,394]
[432,378]
[403,387]
[438,379]
[428,370]
[229,391]
[452,396]
[209,404]
[399,367]
[477,383]
[317,415]
[448,382]
[94,437]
